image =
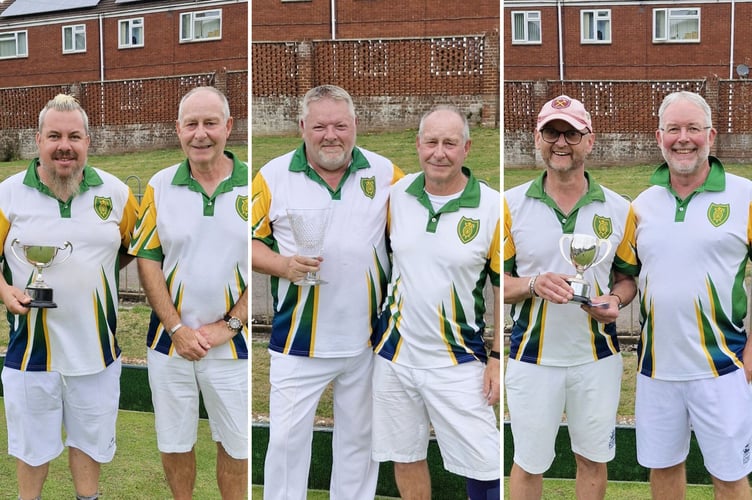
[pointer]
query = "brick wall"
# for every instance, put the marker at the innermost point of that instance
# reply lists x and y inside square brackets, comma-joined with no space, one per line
[124,115]
[632,53]
[392,81]
[625,117]
[273,20]
[161,55]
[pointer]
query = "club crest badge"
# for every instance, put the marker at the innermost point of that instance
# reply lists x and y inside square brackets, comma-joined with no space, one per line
[102,207]
[467,229]
[602,227]
[368,186]
[561,102]
[241,207]
[718,213]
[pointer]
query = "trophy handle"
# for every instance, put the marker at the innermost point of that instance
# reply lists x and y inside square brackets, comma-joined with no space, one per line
[69,246]
[13,248]
[603,255]
[567,238]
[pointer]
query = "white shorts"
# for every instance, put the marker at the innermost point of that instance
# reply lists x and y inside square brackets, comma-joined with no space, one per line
[38,405]
[718,410]
[175,385]
[407,401]
[537,396]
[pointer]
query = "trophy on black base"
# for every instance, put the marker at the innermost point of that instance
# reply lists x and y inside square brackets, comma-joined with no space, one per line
[41,257]
[583,251]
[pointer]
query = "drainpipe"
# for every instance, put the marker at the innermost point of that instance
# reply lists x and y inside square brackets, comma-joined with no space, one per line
[731,45]
[101,50]
[561,42]
[334,20]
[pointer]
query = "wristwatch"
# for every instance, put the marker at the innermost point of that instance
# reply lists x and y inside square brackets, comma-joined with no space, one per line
[233,323]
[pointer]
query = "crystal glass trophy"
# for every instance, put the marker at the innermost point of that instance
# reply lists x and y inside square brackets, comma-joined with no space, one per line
[583,251]
[309,227]
[41,257]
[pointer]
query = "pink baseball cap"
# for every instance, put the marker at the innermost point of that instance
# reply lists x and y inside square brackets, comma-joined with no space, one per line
[565,108]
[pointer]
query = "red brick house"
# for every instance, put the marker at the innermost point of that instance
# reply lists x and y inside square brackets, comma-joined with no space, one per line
[65,41]
[297,20]
[626,40]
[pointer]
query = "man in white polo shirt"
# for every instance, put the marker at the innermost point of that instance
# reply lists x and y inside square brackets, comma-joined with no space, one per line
[62,368]
[322,334]
[433,368]
[692,232]
[563,356]
[191,241]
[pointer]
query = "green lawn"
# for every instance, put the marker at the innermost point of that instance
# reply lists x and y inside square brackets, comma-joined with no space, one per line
[628,181]
[483,160]
[557,489]
[141,165]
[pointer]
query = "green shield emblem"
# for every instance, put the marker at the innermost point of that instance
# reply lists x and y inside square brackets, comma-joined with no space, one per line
[467,229]
[718,213]
[602,227]
[241,207]
[102,207]
[368,186]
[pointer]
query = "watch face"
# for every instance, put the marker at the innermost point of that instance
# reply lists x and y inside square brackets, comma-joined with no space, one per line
[235,323]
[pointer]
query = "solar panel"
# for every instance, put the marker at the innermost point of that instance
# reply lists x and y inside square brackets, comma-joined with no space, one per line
[26,7]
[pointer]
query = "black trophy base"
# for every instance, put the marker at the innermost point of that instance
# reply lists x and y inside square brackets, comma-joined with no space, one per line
[40,298]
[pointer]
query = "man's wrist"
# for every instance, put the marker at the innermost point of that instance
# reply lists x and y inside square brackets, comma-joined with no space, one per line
[621,303]
[172,331]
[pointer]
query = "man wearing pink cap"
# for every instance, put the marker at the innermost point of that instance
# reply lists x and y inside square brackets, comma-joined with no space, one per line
[564,353]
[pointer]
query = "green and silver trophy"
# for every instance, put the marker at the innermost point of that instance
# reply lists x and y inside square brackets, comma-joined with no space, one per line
[583,251]
[41,257]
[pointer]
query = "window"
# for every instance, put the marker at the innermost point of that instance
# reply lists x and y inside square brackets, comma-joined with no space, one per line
[596,26]
[74,38]
[526,27]
[199,26]
[131,33]
[13,44]
[676,25]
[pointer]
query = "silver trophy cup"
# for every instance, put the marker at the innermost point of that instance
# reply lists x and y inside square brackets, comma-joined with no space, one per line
[309,227]
[583,251]
[41,257]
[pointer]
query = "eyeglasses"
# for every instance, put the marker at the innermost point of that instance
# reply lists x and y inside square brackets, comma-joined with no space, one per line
[692,130]
[572,137]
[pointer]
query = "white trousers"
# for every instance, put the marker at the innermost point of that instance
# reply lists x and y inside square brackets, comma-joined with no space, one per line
[297,383]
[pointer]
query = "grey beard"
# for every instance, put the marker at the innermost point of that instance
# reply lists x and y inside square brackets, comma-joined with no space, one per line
[65,187]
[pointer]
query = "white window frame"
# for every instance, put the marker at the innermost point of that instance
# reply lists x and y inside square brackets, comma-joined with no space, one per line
[21,41]
[593,22]
[530,18]
[76,31]
[133,26]
[666,21]
[189,21]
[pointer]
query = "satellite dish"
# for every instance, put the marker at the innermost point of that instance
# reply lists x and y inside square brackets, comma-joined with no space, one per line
[742,70]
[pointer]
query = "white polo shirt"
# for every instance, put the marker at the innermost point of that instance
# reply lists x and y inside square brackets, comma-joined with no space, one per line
[560,334]
[77,337]
[335,319]
[202,242]
[434,313]
[693,255]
